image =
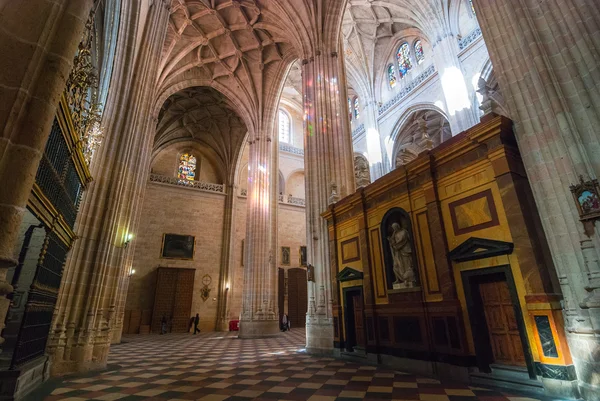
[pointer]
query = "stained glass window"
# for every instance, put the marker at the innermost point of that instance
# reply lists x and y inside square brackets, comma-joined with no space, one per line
[472,6]
[356,108]
[404,63]
[284,127]
[419,53]
[392,75]
[350,108]
[187,167]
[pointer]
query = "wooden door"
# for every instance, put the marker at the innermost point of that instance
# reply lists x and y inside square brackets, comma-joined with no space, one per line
[359,327]
[502,323]
[281,292]
[297,297]
[173,298]
[182,307]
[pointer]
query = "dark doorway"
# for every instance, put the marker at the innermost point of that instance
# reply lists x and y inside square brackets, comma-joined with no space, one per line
[281,292]
[354,319]
[173,299]
[297,297]
[496,319]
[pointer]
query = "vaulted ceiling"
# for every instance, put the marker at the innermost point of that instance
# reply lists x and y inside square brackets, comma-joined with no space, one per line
[206,117]
[371,27]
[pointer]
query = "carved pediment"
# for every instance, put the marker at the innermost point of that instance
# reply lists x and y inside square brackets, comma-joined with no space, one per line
[349,274]
[480,248]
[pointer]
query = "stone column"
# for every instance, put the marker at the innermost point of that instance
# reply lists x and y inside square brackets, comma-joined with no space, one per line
[259,301]
[329,177]
[545,55]
[227,265]
[38,42]
[454,85]
[86,313]
[375,146]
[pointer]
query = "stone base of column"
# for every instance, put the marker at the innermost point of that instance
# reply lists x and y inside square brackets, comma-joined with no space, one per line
[222,325]
[585,349]
[258,328]
[63,368]
[116,335]
[81,359]
[319,336]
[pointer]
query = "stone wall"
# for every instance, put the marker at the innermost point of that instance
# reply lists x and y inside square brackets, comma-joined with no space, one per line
[169,209]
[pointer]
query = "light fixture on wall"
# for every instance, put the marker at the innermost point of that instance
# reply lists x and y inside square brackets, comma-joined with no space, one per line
[226,286]
[131,272]
[128,239]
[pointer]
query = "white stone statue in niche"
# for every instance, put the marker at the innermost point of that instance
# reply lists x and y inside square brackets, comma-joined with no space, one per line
[401,248]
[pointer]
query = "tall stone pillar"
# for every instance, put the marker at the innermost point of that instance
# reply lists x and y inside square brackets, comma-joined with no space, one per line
[259,301]
[227,265]
[329,177]
[545,55]
[96,270]
[461,115]
[38,42]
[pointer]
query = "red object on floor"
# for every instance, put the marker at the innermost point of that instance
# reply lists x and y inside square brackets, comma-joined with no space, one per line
[234,325]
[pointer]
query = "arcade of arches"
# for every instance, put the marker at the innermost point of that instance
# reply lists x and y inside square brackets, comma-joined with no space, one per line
[413,183]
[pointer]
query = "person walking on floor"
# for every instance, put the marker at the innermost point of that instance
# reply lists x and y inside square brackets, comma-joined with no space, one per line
[196,322]
[163,325]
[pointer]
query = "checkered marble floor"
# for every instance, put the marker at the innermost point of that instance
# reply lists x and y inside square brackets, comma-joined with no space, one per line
[219,366]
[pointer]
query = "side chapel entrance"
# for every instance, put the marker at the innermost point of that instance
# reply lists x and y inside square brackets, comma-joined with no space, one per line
[496,319]
[354,318]
[503,330]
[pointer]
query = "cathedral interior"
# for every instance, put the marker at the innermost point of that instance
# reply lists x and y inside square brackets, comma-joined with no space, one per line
[347,199]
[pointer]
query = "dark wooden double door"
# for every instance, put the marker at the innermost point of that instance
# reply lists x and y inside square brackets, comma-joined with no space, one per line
[173,299]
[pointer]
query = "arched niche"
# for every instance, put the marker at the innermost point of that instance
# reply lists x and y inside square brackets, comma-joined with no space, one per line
[403,278]
[362,174]
[422,130]
[280,184]
[489,96]
[295,184]
[166,161]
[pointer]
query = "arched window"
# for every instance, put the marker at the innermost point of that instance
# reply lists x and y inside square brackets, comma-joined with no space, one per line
[404,63]
[284,126]
[391,70]
[419,53]
[350,108]
[187,167]
[356,108]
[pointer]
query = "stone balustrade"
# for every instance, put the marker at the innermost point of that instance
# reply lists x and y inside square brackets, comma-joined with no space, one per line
[203,186]
[463,43]
[284,147]
[407,89]
[285,199]
[360,130]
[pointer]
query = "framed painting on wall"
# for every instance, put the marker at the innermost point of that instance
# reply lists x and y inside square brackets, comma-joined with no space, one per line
[285,255]
[303,256]
[176,246]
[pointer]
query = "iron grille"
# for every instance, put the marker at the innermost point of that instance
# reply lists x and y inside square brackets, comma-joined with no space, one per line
[40,305]
[58,178]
